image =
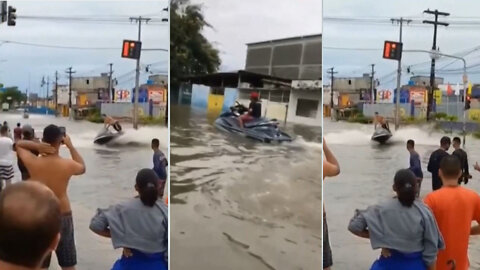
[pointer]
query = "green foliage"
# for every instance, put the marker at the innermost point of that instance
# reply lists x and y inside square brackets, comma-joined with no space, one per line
[14,93]
[440,116]
[190,52]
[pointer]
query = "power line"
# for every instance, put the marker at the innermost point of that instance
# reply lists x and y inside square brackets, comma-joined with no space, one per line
[73,47]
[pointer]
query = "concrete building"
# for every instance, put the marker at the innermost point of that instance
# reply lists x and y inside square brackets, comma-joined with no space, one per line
[424,80]
[353,90]
[91,89]
[286,73]
[296,58]
[159,79]
[63,98]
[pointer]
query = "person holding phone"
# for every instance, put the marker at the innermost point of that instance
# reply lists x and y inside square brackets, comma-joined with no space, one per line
[55,172]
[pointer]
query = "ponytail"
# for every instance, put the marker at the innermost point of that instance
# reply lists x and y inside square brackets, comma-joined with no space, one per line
[147,185]
[405,186]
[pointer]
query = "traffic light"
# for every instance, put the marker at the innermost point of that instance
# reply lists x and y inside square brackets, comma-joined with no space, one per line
[467,102]
[3,12]
[131,49]
[392,50]
[12,16]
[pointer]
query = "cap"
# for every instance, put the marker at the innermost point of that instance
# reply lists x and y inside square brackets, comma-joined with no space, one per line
[254,95]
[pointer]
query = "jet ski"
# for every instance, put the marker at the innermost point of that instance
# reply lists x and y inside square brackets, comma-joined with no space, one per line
[261,129]
[106,136]
[381,135]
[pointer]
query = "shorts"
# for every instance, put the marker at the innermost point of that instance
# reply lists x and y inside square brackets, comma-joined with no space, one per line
[66,251]
[117,126]
[143,261]
[6,172]
[400,261]
[246,118]
[327,252]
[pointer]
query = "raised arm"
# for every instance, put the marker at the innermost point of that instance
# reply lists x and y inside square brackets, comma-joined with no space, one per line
[24,149]
[330,164]
[77,164]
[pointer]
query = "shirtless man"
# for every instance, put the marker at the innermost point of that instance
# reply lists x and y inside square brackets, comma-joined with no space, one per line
[380,120]
[109,121]
[55,172]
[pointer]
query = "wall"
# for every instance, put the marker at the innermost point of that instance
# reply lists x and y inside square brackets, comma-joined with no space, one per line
[304,94]
[63,95]
[215,103]
[200,95]
[231,95]
[126,109]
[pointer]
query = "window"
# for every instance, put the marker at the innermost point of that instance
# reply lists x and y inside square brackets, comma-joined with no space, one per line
[307,108]
[88,81]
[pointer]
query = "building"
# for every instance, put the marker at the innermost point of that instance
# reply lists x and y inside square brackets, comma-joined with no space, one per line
[159,79]
[63,99]
[424,81]
[353,90]
[297,58]
[91,90]
[285,72]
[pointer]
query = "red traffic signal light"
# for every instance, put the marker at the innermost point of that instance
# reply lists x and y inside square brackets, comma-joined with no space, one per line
[468,99]
[131,49]
[392,50]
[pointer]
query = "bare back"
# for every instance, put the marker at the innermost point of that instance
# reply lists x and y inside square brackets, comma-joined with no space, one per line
[55,172]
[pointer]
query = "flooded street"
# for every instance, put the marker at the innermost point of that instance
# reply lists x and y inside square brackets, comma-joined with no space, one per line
[109,179]
[238,204]
[366,178]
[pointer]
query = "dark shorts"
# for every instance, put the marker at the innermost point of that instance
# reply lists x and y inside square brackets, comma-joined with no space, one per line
[66,251]
[327,252]
[117,126]
[6,172]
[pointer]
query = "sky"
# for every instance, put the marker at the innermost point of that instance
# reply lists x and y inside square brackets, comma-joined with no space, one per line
[365,24]
[24,66]
[235,23]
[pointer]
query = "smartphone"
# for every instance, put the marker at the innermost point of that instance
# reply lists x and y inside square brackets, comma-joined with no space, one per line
[63,130]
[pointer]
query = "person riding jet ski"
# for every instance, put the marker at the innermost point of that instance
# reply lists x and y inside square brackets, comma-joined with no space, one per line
[111,122]
[380,120]
[254,110]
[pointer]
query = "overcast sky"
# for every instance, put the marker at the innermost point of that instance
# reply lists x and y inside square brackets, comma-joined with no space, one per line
[18,63]
[236,23]
[454,39]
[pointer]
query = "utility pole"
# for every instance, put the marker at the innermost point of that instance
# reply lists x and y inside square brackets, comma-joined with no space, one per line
[331,72]
[70,72]
[46,98]
[110,86]
[399,72]
[434,48]
[56,93]
[139,20]
[372,86]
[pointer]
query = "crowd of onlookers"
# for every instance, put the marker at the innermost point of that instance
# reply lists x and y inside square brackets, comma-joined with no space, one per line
[432,233]
[36,217]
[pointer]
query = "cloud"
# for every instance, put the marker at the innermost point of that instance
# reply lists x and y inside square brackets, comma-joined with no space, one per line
[236,23]
[24,62]
[451,40]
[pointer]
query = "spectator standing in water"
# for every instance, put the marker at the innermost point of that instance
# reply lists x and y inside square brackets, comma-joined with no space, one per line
[55,172]
[415,165]
[330,168]
[160,164]
[139,225]
[17,133]
[9,132]
[29,225]
[403,225]
[6,157]
[435,159]
[454,208]
[463,157]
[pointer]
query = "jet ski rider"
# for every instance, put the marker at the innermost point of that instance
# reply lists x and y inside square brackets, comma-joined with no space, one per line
[254,110]
[109,121]
[380,120]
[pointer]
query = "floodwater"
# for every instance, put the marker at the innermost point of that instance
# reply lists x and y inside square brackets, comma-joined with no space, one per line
[367,171]
[238,204]
[110,178]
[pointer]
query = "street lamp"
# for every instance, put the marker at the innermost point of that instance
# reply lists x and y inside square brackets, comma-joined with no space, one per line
[436,55]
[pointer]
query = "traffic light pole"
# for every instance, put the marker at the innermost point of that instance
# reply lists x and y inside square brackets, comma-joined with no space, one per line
[465,82]
[137,75]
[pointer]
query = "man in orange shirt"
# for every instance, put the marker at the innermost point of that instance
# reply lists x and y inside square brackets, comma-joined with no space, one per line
[454,208]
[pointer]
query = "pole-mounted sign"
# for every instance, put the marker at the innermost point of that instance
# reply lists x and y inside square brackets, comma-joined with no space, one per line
[392,50]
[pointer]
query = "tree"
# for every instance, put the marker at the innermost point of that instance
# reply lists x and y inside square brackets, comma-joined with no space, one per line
[190,52]
[14,94]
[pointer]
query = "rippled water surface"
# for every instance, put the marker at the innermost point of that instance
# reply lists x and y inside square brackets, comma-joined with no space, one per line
[238,204]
